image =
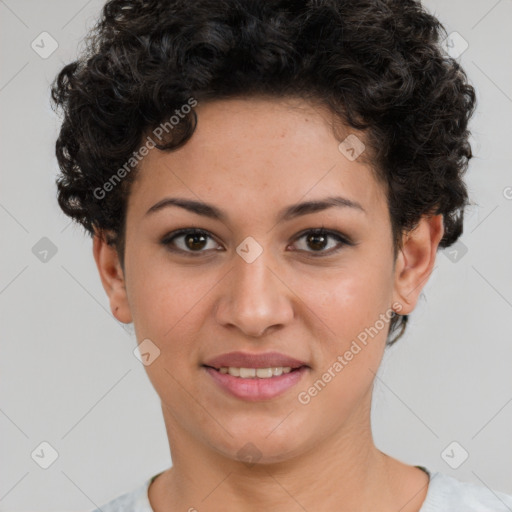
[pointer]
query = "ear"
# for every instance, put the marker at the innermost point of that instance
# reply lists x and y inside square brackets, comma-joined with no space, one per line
[112,277]
[415,261]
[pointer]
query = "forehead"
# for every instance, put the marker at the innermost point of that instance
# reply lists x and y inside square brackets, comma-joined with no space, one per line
[258,154]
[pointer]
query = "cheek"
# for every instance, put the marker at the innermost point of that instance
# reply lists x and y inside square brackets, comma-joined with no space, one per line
[170,306]
[349,345]
[160,294]
[353,306]
[167,309]
[347,300]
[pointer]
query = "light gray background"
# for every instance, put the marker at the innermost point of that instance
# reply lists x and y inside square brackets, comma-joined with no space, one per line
[69,376]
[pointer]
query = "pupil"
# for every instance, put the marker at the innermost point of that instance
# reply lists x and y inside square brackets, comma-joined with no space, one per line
[193,239]
[316,237]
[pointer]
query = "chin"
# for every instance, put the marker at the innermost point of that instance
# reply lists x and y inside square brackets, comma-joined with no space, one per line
[260,448]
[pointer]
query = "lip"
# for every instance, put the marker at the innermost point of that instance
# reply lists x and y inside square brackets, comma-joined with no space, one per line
[248,360]
[256,389]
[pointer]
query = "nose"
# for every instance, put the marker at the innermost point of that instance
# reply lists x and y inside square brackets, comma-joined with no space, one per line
[254,298]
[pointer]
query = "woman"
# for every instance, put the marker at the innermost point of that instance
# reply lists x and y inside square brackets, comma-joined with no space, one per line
[267,184]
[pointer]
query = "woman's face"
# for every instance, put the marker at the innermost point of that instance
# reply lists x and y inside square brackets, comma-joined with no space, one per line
[256,281]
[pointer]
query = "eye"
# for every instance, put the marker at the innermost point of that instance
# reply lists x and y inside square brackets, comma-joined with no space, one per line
[190,241]
[318,240]
[194,242]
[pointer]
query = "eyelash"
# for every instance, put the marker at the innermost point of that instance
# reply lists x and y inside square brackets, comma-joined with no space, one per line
[343,240]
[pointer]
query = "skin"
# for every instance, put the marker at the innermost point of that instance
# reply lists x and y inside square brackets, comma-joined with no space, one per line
[251,158]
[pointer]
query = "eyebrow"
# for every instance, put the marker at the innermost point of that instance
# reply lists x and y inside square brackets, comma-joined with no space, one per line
[288,213]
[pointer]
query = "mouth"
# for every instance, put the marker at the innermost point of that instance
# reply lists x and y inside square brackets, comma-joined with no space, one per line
[255,373]
[254,376]
[247,362]
[255,384]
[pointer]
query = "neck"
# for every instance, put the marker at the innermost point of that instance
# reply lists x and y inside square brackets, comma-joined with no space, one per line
[346,469]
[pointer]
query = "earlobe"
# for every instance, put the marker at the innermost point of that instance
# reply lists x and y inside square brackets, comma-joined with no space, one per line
[416,260]
[112,277]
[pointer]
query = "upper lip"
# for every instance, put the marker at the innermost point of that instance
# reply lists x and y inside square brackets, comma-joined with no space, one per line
[247,360]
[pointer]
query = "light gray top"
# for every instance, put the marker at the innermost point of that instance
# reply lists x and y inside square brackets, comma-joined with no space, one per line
[445,494]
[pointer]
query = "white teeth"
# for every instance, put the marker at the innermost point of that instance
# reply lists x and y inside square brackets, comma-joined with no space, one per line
[234,371]
[247,373]
[250,373]
[264,373]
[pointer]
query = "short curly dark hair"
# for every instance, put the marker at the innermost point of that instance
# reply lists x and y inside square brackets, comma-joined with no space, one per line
[378,65]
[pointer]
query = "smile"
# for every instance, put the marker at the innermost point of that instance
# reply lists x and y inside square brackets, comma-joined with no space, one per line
[261,373]
[255,384]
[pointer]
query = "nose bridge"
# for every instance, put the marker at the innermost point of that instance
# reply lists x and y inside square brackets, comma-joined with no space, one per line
[252,276]
[255,298]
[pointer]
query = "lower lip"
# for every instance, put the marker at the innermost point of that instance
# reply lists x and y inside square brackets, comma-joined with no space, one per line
[256,388]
